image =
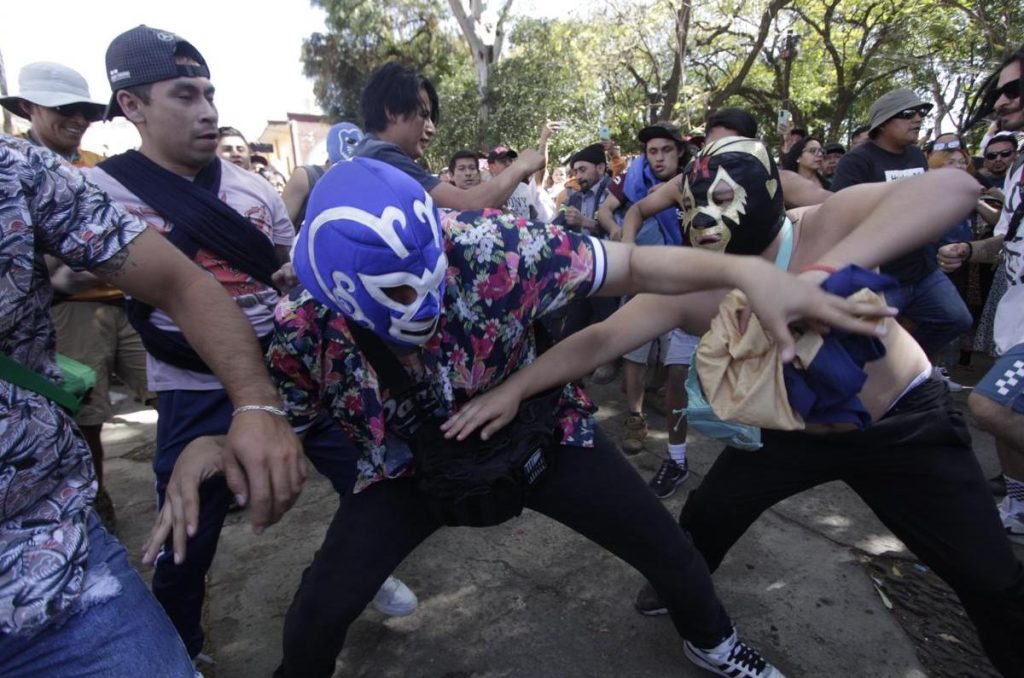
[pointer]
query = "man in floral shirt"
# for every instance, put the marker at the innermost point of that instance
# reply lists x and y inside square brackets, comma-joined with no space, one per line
[456,304]
[69,600]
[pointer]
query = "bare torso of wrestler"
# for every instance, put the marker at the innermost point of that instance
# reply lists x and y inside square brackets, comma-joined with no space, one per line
[889,377]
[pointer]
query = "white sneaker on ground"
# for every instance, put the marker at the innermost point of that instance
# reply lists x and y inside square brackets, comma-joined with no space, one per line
[201,659]
[395,599]
[731,658]
[1012,514]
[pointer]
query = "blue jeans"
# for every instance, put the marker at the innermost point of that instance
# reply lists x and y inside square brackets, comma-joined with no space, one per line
[125,636]
[185,416]
[935,307]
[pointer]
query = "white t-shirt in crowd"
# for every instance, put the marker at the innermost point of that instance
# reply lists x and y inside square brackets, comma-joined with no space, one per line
[251,196]
[1009,322]
[519,202]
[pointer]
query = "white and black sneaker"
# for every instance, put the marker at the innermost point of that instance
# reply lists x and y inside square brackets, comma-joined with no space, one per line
[731,658]
[670,476]
[1012,515]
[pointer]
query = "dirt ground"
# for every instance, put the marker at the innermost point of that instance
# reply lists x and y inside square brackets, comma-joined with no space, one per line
[808,585]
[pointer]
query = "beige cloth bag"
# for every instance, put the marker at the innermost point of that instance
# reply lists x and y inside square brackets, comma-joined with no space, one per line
[741,374]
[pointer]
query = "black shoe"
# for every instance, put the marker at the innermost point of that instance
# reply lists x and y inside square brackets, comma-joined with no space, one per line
[997,484]
[648,602]
[670,476]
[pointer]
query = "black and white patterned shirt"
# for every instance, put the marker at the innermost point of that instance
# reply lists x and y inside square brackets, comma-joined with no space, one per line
[47,482]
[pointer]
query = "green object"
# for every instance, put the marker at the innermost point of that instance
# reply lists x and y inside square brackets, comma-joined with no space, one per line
[78,381]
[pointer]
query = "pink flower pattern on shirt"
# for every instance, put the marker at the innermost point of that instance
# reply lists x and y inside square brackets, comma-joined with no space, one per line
[504,273]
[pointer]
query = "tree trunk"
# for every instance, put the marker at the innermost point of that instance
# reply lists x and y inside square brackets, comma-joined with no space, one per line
[485,38]
[678,75]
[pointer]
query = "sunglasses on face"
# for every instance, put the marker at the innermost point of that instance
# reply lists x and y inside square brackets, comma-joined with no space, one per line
[911,113]
[1010,90]
[998,154]
[946,145]
[90,113]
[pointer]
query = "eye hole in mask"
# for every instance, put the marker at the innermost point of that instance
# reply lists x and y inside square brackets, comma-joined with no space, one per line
[728,196]
[402,294]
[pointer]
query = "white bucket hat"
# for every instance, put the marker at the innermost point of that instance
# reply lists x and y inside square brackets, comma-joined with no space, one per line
[49,84]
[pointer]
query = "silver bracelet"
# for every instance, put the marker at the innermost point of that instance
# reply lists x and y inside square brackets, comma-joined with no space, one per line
[260,408]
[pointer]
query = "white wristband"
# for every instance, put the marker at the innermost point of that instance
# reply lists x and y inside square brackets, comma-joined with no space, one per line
[260,408]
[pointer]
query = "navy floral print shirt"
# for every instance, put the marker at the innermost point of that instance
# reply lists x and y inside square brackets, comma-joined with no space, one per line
[503,273]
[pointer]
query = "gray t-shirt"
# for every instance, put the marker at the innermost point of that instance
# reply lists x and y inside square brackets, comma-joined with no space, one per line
[385,151]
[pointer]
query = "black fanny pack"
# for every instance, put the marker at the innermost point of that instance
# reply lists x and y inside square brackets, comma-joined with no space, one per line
[474,482]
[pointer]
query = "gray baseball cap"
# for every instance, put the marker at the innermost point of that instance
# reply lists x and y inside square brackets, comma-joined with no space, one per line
[144,55]
[891,103]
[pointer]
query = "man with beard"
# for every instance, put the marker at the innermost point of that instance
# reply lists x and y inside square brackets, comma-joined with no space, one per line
[925,295]
[665,154]
[870,413]
[1000,153]
[589,167]
[998,399]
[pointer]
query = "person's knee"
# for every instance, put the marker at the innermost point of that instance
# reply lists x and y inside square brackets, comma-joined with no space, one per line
[989,415]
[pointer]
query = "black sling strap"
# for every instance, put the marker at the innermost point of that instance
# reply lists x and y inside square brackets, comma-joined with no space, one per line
[201,221]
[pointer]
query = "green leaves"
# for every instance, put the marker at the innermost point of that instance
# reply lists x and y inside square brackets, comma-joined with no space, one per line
[625,64]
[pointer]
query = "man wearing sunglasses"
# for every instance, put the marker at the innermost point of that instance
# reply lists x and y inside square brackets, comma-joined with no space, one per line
[87,314]
[999,155]
[56,100]
[997,402]
[925,295]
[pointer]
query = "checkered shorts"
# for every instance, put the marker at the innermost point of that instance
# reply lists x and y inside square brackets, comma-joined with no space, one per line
[1004,383]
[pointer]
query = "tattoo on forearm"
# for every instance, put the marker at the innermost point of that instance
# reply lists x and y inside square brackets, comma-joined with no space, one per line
[115,265]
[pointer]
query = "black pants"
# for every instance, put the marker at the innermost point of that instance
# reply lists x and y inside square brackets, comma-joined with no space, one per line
[578,315]
[916,470]
[184,416]
[593,491]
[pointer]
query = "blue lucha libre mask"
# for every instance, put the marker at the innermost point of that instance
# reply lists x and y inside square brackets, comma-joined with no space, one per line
[341,142]
[373,250]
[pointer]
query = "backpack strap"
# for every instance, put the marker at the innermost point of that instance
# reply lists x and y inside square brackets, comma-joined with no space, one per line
[15,373]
